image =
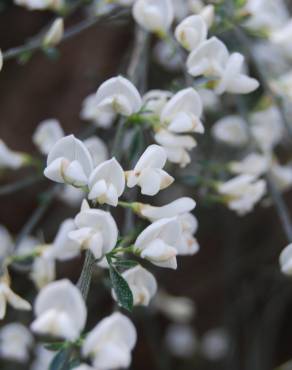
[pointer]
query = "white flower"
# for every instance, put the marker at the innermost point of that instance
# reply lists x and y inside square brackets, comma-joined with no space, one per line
[69,161]
[242,193]
[96,230]
[83,367]
[231,130]
[118,95]
[233,80]
[9,158]
[71,196]
[91,112]
[178,309]
[208,59]
[41,4]
[1,60]
[286,260]
[107,183]
[15,342]
[7,244]
[46,135]
[208,14]
[281,175]
[189,226]
[183,111]
[215,344]
[142,284]
[97,149]
[43,271]
[253,164]
[267,128]
[55,33]
[191,32]
[8,296]
[148,172]
[181,340]
[282,37]
[155,100]
[60,310]
[176,146]
[209,99]
[165,55]
[160,241]
[110,343]
[43,358]
[154,15]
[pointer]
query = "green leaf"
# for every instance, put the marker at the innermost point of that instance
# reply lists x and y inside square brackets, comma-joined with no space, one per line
[25,56]
[125,264]
[136,144]
[56,346]
[59,361]
[121,288]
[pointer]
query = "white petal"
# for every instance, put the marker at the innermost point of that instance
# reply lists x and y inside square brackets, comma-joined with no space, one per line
[47,133]
[153,157]
[191,32]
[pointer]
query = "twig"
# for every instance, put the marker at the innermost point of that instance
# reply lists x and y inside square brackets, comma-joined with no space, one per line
[19,185]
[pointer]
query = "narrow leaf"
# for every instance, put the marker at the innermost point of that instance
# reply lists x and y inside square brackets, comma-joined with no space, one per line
[121,288]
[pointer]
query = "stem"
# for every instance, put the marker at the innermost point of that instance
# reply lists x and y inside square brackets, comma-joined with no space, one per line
[19,185]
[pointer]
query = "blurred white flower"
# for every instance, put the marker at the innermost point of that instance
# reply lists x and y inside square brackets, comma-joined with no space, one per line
[166,55]
[154,15]
[107,183]
[215,344]
[118,95]
[97,148]
[15,342]
[69,161]
[178,309]
[253,164]
[41,4]
[110,343]
[96,230]
[242,193]
[71,196]
[148,172]
[8,296]
[142,284]
[208,14]
[9,158]
[155,100]
[46,135]
[191,32]
[1,60]
[180,340]
[60,310]
[160,241]
[281,175]
[91,112]
[83,367]
[55,33]
[7,245]
[230,130]
[189,225]
[209,99]
[176,146]
[286,260]
[43,270]
[233,80]
[43,358]
[208,59]
[183,111]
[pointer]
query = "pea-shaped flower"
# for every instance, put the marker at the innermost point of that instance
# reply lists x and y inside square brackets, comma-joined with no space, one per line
[118,95]
[46,135]
[233,80]
[41,4]
[96,230]
[154,15]
[69,161]
[191,32]
[107,183]
[9,158]
[183,111]
[160,241]
[148,172]
[110,343]
[231,130]
[208,59]
[142,284]
[60,311]
[54,34]
[286,260]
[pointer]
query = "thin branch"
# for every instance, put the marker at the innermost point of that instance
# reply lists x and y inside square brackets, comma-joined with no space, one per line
[19,185]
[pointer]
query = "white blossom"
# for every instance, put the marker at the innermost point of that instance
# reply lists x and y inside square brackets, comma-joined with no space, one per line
[91,112]
[97,148]
[191,32]
[46,135]
[118,95]
[181,340]
[9,158]
[253,164]
[233,80]
[7,245]
[183,111]
[281,175]
[242,192]
[165,55]
[71,196]
[43,270]
[96,230]
[55,33]
[1,60]
[230,130]
[189,225]
[209,99]
[155,100]
[142,284]
[107,183]
[215,344]
[15,342]
[8,296]
[154,15]
[148,172]
[160,241]
[41,4]
[208,59]
[110,343]
[176,146]
[208,14]
[286,260]
[60,310]
[43,358]
[69,161]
